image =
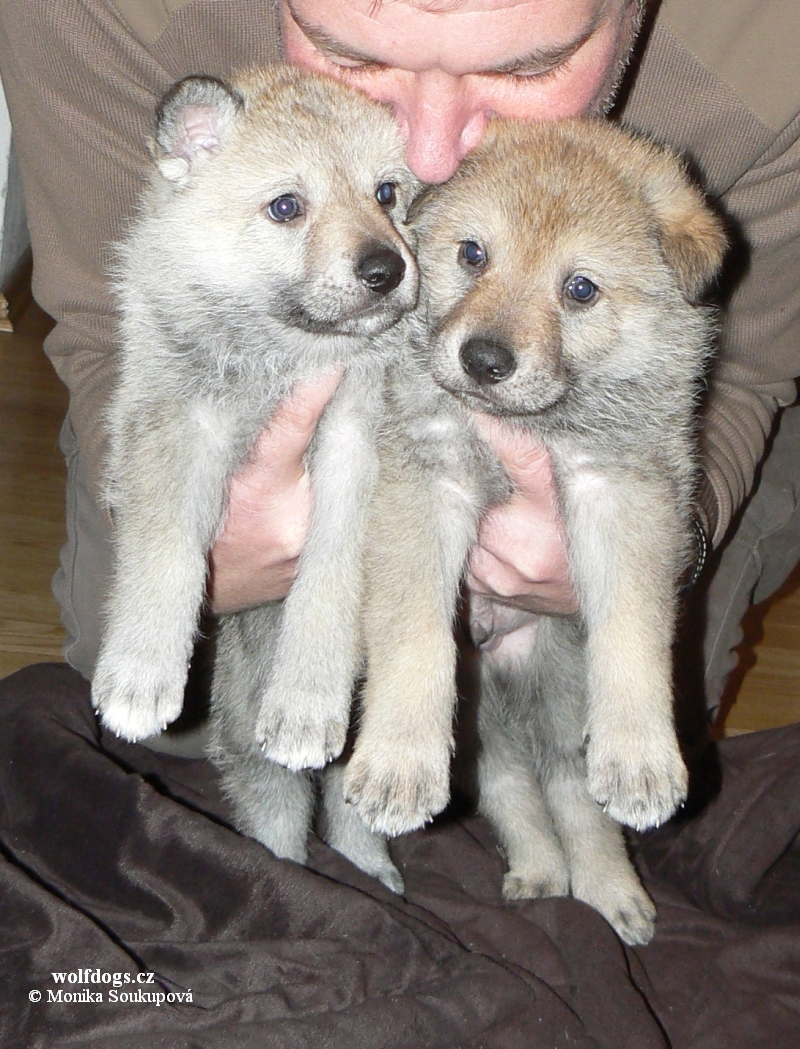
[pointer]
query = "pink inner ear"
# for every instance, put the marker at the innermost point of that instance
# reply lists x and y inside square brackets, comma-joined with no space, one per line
[198,131]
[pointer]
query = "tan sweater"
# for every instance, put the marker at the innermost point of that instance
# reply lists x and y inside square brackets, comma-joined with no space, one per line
[719,79]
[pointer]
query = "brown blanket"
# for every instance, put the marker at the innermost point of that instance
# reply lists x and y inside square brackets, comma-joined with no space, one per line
[117,860]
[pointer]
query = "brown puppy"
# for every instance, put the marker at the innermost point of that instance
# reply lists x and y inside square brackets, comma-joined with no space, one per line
[561,269]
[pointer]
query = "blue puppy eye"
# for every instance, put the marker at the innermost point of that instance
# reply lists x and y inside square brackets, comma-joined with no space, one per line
[472,254]
[284,209]
[385,194]
[581,289]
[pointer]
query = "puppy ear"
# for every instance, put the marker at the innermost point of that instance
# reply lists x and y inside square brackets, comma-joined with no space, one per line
[692,237]
[192,121]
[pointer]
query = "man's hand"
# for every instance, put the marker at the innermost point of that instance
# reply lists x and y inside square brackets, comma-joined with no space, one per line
[520,558]
[254,560]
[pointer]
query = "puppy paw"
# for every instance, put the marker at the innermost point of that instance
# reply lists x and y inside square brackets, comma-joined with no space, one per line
[625,906]
[398,792]
[639,779]
[537,884]
[136,701]
[298,732]
[634,920]
[380,867]
[391,877]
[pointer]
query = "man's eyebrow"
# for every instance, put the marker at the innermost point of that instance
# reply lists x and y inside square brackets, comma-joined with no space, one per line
[328,44]
[544,58]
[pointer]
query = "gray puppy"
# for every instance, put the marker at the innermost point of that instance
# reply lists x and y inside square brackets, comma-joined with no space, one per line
[561,267]
[266,249]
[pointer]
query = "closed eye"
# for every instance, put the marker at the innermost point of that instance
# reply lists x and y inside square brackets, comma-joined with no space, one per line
[520,77]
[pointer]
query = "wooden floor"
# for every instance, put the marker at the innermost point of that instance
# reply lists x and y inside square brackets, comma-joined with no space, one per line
[765,692]
[32,405]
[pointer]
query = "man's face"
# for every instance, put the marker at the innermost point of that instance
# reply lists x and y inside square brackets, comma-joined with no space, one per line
[448,66]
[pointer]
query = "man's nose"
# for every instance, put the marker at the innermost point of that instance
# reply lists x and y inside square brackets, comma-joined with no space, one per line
[440,124]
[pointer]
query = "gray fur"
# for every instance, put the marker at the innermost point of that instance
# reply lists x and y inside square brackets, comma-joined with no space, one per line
[224,309]
[532,782]
[270,803]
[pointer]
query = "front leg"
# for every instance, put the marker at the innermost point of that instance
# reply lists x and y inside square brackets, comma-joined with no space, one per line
[421,530]
[168,477]
[305,710]
[626,542]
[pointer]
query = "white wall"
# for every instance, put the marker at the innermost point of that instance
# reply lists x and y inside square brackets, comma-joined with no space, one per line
[5,151]
[14,238]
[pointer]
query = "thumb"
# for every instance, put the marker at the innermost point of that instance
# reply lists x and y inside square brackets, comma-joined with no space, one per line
[291,428]
[525,458]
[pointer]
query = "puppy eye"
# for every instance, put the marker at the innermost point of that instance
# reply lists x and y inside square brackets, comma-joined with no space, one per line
[284,209]
[472,254]
[580,289]
[385,194]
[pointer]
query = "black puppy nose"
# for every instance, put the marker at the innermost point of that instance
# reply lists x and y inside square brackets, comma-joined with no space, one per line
[486,361]
[382,270]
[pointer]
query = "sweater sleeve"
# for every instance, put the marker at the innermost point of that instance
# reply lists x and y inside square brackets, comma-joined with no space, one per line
[749,163]
[759,353]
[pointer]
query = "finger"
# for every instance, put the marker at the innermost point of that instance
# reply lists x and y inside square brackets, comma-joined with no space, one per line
[492,571]
[489,576]
[521,553]
[525,458]
[494,578]
[291,428]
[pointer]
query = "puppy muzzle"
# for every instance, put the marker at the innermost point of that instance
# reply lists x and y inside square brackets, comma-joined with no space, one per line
[486,361]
